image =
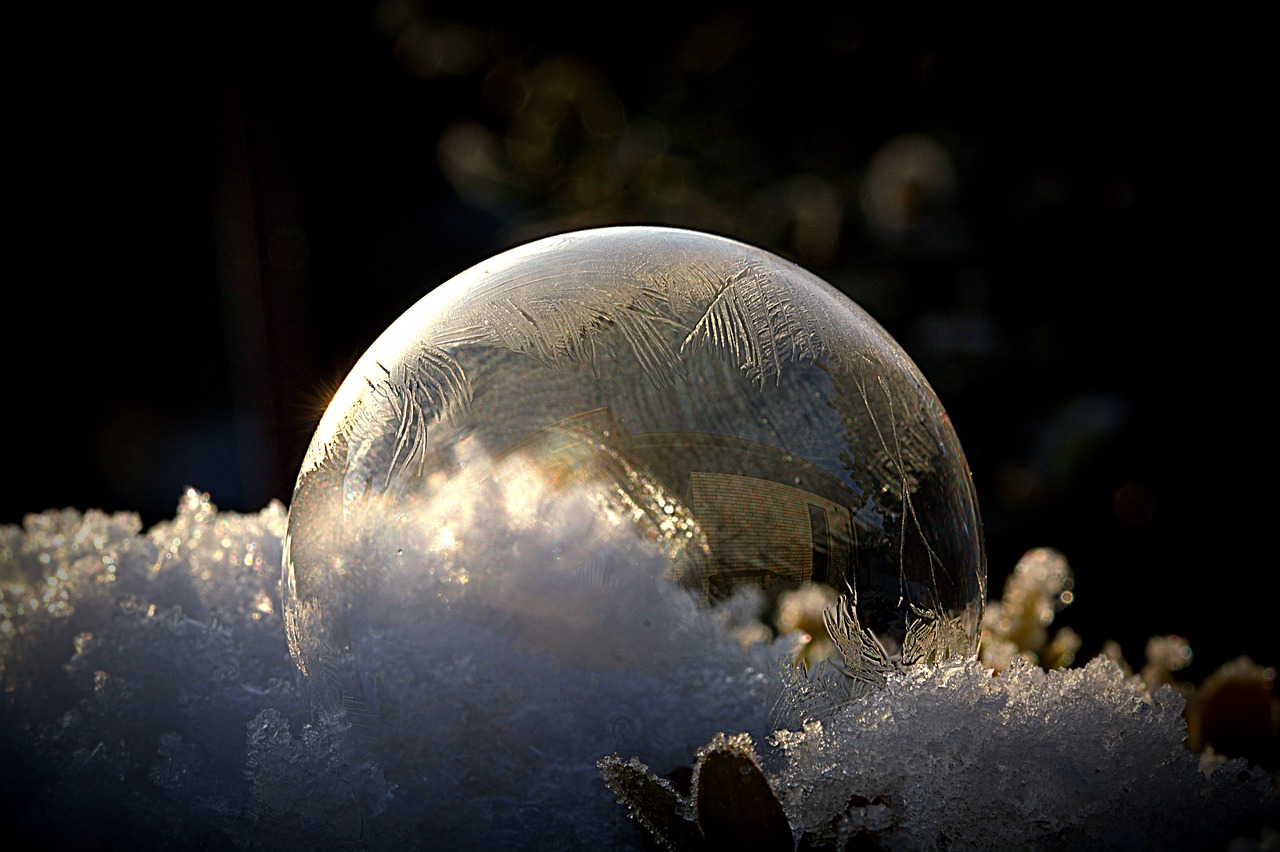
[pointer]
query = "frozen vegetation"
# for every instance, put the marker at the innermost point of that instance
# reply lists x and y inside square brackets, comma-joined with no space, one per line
[149,701]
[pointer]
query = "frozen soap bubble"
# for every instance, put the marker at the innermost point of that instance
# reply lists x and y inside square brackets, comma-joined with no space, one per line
[521,512]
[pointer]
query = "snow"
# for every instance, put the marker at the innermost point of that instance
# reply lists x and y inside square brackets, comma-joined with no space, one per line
[149,700]
[1069,759]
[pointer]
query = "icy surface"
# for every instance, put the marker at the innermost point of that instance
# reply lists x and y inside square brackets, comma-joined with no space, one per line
[149,701]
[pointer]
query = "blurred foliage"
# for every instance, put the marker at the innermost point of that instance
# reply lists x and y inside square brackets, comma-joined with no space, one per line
[1233,712]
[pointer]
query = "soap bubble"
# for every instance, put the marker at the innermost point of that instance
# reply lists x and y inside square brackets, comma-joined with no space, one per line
[536,511]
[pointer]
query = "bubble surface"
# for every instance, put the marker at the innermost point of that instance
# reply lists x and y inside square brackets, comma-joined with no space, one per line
[538,507]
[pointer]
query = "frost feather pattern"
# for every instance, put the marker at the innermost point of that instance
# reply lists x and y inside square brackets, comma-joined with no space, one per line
[431,386]
[743,310]
[570,327]
[752,316]
[748,315]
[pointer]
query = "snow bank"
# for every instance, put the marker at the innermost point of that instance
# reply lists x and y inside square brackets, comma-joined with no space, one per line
[149,700]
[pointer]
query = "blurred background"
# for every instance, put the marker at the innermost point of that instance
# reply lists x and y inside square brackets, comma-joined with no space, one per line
[215,208]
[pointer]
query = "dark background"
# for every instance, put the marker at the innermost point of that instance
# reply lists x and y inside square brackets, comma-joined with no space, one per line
[215,208]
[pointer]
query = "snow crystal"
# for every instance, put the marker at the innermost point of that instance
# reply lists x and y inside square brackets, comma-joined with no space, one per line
[1068,759]
[149,700]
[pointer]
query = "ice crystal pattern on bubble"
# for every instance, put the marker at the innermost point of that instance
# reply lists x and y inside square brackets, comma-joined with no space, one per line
[577,454]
